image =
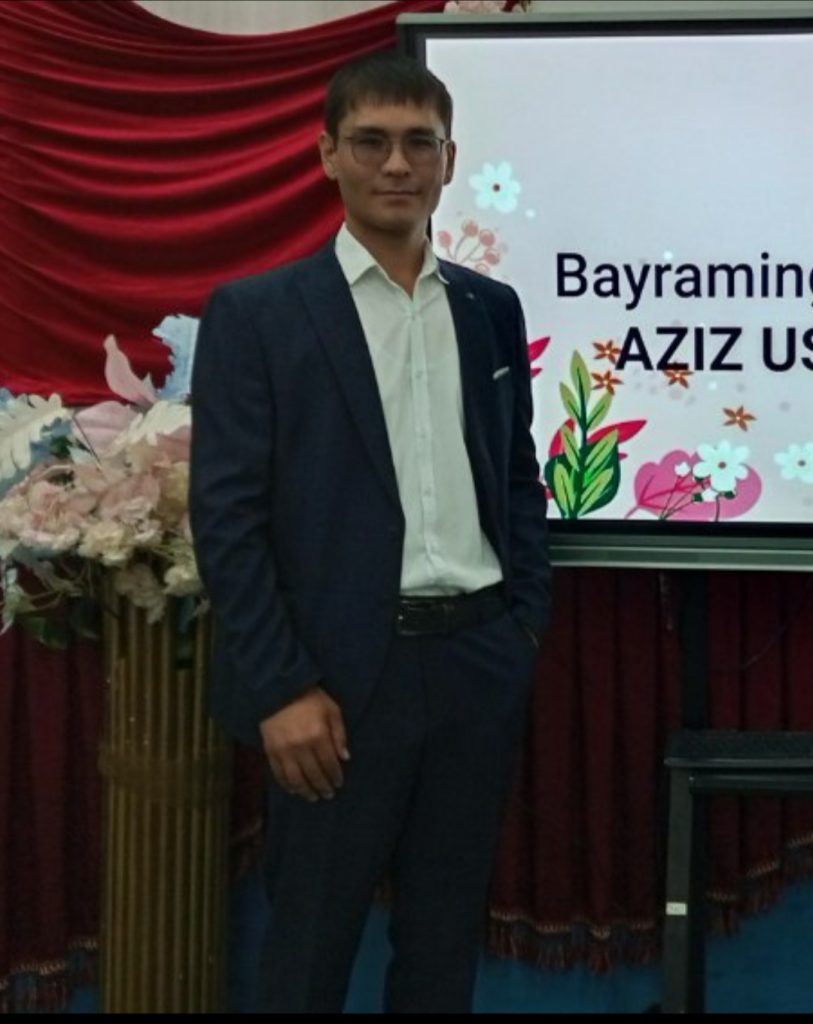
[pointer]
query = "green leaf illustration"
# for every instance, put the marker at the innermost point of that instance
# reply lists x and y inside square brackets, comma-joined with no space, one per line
[570,403]
[599,413]
[570,446]
[581,380]
[600,491]
[559,482]
[599,453]
[563,489]
[584,476]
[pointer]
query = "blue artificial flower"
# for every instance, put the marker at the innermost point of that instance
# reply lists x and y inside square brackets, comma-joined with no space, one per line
[179,333]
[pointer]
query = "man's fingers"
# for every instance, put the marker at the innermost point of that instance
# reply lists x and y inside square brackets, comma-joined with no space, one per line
[305,744]
[296,782]
[337,732]
[329,761]
[314,774]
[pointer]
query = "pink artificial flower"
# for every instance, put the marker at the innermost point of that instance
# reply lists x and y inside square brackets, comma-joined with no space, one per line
[101,424]
[120,377]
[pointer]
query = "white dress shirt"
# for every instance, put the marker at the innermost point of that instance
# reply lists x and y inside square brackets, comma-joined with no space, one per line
[415,357]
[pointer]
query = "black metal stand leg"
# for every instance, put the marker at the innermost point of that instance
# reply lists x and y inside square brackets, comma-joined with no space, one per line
[677,931]
[697,905]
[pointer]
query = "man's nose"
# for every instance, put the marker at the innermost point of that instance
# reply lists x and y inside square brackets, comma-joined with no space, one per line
[396,162]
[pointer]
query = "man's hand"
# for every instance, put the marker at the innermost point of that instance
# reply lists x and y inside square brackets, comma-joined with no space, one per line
[305,744]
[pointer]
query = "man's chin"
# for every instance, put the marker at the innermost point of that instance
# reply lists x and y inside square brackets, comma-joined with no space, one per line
[399,222]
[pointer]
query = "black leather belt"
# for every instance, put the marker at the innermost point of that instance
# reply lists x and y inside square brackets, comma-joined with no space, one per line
[418,616]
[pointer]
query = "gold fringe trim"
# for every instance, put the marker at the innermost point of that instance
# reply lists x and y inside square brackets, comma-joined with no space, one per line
[46,985]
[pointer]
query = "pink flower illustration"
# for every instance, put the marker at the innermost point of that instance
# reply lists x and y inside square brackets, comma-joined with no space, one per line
[476,247]
[669,490]
[536,349]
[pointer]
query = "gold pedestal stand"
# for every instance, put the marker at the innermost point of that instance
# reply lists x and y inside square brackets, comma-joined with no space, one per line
[166,771]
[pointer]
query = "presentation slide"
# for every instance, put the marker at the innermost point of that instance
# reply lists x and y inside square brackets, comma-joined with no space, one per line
[650,198]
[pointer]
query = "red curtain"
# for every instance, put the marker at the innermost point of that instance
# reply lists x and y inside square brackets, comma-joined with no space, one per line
[581,868]
[142,163]
[50,720]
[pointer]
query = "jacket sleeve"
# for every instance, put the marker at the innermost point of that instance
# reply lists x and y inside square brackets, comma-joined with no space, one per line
[230,505]
[529,546]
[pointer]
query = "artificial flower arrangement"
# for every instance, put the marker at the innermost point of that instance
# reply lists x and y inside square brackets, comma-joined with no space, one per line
[102,486]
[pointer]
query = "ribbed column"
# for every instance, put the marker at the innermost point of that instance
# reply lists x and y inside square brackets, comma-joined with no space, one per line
[166,772]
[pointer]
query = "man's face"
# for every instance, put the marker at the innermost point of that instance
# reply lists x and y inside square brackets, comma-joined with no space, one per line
[394,193]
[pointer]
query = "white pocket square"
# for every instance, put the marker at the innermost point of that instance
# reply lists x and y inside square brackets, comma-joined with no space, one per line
[501,372]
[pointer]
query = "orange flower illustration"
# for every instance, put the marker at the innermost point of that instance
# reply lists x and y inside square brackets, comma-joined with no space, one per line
[678,376]
[738,418]
[607,350]
[605,381]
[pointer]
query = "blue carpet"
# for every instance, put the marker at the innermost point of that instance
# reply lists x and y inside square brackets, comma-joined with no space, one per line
[764,968]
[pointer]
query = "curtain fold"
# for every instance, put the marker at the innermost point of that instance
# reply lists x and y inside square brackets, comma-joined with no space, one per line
[581,868]
[51,705]
[143,163]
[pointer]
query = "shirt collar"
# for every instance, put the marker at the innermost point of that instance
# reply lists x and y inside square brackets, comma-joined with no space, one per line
[356,261]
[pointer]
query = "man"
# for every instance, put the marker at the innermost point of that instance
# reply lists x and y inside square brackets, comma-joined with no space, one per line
[371,530]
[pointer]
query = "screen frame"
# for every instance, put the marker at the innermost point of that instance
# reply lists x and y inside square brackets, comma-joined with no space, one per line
[652,544]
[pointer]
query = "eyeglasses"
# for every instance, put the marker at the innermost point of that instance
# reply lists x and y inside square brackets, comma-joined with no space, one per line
[372,149]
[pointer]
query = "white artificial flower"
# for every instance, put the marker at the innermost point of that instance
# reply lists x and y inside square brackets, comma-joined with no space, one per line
[139,583]
[107,541]
[495,186]
[723,464]
[182,580]
[797,462]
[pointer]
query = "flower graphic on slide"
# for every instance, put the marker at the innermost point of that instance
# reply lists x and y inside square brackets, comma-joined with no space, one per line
[796,462]
[738,417]
[675,488]
[495,186]
[583,473]
[476,247]
[722,464]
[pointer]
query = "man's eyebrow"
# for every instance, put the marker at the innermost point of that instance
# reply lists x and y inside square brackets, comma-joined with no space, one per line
[374,129]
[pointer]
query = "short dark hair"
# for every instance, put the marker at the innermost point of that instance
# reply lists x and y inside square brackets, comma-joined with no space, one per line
[385,77]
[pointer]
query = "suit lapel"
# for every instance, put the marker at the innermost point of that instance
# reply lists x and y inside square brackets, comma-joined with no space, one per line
[330,304]
[475,344]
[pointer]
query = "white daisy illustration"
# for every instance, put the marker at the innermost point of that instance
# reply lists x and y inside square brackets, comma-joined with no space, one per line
[723,464]
[796,462]
[496,187]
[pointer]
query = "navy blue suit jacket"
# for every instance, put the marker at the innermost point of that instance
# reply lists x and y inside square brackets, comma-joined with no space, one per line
[294,503]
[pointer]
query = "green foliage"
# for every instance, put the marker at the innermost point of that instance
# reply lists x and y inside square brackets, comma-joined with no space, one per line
[586,475]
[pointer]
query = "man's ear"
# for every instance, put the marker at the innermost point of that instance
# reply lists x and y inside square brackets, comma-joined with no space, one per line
[327,151]
[451,154]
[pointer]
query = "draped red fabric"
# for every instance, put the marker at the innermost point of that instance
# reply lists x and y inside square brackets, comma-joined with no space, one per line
[50,724]
[581,868]
[143,162]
